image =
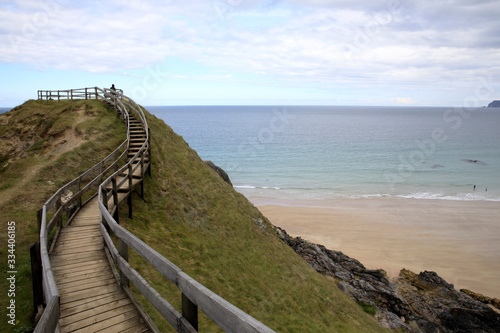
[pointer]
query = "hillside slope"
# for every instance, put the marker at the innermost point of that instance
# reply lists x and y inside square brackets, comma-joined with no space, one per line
[217,236]
[44,145]
[190,215]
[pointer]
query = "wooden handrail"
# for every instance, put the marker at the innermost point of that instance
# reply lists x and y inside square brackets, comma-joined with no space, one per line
[50,316]
[194,295]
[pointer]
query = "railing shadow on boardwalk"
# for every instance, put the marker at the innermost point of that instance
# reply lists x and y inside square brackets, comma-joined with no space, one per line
[124,169]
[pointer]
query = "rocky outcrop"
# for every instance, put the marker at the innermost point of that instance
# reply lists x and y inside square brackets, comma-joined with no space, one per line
[433,298]
[494,104]
[220,171]
[495,302]
[411,303]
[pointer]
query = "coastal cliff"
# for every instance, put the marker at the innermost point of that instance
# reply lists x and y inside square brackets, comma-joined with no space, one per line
[412,302]
[494,104]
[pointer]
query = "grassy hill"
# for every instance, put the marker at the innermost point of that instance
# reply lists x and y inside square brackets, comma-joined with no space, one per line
[44,145]
[192,217]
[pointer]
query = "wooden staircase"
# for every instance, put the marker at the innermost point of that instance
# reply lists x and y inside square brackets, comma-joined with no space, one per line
[76,282]
[124,183]
[91,299]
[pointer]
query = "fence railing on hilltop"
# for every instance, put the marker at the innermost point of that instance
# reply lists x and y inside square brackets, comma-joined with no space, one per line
[194,295]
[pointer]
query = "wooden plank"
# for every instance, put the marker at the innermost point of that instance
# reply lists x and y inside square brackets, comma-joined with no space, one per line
[133,325]
[77,235]
[61,259]
[76,296]
[93,283]
[92,311]
[80,266]
[117,294]
[80,228]
[73,248]
[79,242]
[90,304]
[102,320]
[69,242]
[63,279]
[89,267]
[63,282]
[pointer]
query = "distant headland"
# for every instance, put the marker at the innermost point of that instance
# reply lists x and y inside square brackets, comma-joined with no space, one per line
[494,104]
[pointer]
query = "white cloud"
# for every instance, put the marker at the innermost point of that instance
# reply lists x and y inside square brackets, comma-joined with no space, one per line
[340,43]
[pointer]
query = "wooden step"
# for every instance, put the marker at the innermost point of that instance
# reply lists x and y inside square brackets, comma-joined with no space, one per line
[125,186]
[136,174]
[130,156]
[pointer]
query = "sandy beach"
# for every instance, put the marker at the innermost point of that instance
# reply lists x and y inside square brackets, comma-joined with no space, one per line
[460,240]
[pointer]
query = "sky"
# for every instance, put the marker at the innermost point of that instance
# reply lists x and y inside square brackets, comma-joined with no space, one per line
[255,52]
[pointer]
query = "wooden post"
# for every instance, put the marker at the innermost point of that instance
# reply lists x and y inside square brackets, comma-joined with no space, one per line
[123,251]
[71,94]
[130,190]
[36,276]
[58,205]
[115,200]
[190,311]
[79,201]
[104,196]
[100,173]
[96,93]
[149,152]
[85,93]
[39,219]
[58,96]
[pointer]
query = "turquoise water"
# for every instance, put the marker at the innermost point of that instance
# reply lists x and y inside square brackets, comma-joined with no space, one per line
[275,153]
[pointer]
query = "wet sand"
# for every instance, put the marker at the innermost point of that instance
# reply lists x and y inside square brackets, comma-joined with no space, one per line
[460,240]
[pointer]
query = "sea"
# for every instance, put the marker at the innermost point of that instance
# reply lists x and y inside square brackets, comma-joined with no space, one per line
[287,154]
[290,154]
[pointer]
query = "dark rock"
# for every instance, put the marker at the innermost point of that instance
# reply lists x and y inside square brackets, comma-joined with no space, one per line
[494,104]
[428,326]
[432,298]
[220,171]
[474,161]
[483,299]
[390,321]
[364,286]
[435,166]
[422,302]
[463,320]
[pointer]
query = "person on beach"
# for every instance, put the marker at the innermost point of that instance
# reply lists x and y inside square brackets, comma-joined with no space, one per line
[474,187]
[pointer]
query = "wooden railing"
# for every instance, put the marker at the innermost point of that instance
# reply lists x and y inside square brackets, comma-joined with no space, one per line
[194,295]
[70,195]
[82,93]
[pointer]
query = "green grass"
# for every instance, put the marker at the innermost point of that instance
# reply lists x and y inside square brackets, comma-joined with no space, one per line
[31,128]
[368,308]
[203,226]
[190,215]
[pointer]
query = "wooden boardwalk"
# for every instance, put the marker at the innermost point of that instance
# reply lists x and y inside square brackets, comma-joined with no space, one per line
[76,282]
[91,298]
